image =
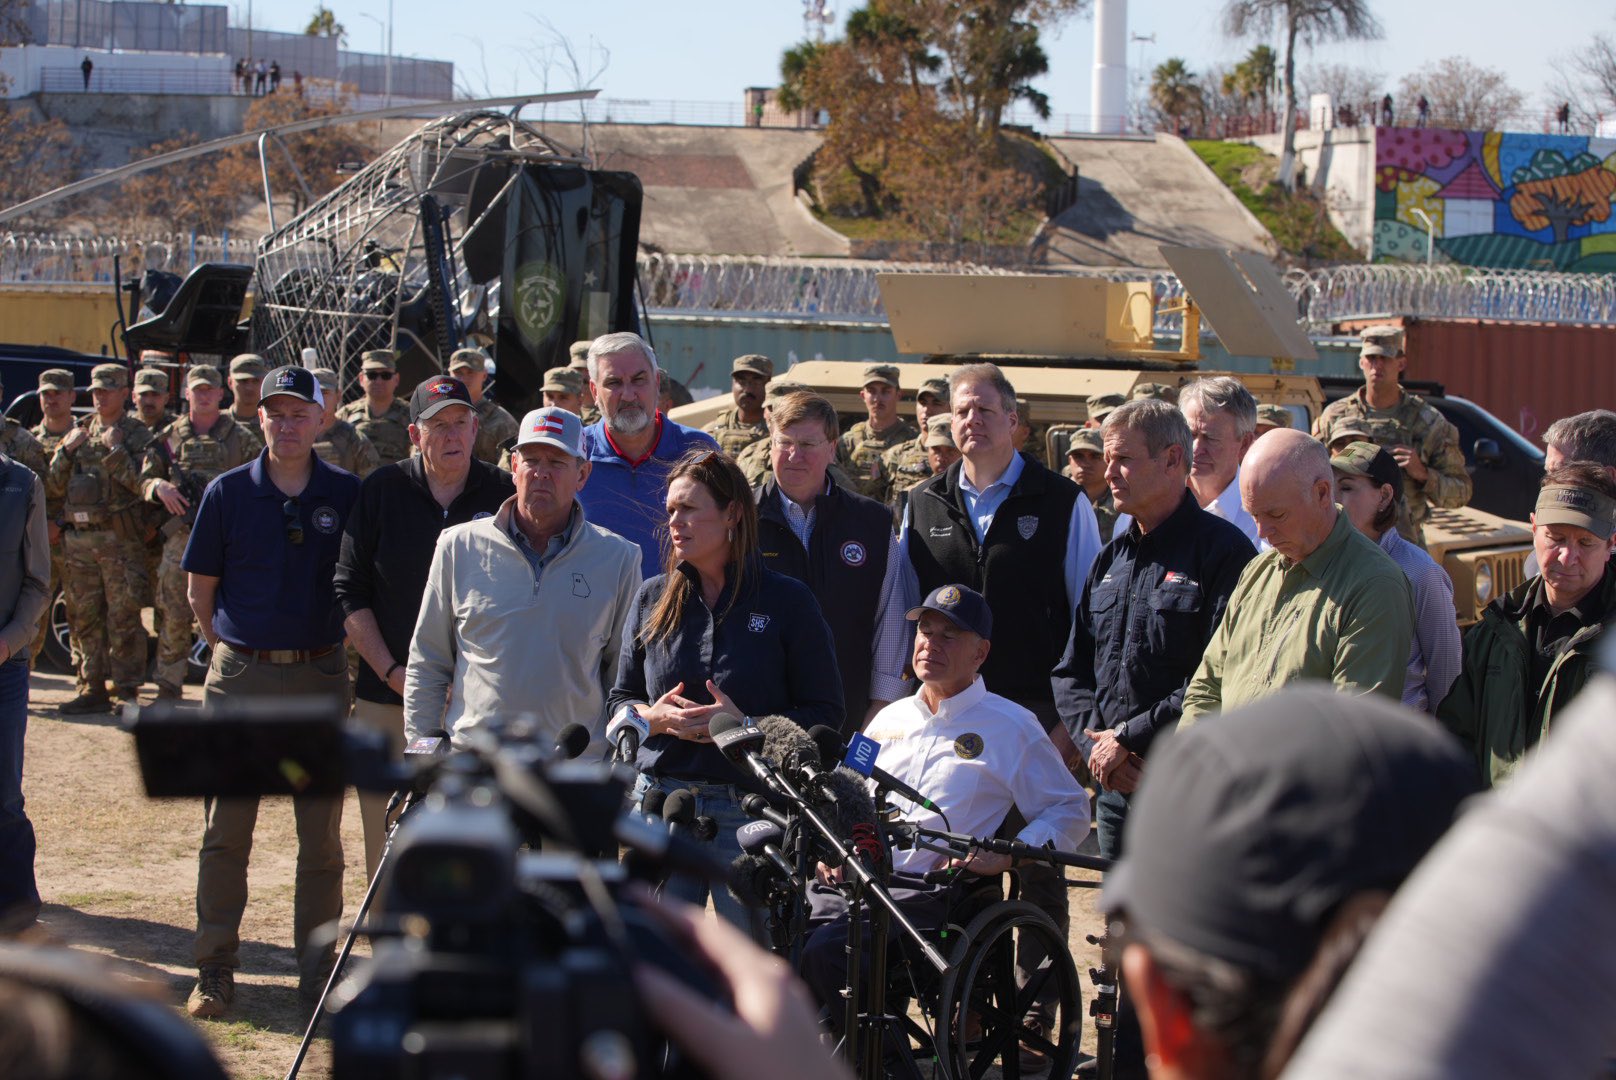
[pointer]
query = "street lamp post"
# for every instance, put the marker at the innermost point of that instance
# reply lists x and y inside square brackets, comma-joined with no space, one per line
[1430,232]
[385,31]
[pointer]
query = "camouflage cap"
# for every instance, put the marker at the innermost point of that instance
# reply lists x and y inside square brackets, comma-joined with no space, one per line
[579,353]
[563,380]
[1100,407]
[1024,410]
[1273,415]
[1384,340]
[1368,460]
[379,360]
[249,365]
[151,380]
[937,387]
[468,358]
[756,363]
[779,388]
[109,377]
[1086,439]
[882,373]
[1350,429]
[203,375]
[328,379]
[940,431]
[56,379]
[1156,390]
[1572,505]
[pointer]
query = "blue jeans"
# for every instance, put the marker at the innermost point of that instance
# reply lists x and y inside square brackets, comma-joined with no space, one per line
[722,803]
[1110,812]
[19,896]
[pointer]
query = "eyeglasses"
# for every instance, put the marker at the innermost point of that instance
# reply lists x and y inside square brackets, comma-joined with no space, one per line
[791,447]
[294,521]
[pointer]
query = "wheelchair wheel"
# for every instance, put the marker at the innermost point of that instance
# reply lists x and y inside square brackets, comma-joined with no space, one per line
[980,1010]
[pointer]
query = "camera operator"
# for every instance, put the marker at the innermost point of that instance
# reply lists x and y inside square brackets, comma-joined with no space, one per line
[387,548]
[524,611]
[974,754]
[1259,858]
[261,560]
[717,632]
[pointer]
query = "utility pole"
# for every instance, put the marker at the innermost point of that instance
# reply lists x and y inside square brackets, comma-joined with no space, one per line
[388,90]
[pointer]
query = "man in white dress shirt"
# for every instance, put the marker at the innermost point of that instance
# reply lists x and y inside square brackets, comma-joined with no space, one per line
[974,754]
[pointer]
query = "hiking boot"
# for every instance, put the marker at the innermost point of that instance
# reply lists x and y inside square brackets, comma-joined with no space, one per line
[311,984]
[88,702]
[166,692]
[1034,1059]
[215,990]
[128,695]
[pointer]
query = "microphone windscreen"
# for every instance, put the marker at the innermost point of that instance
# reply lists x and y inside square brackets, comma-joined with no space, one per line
[651,803]
[749,877]
[850,802]
[754,836]
[722,722]
[572,741]
[829,741]
[784,740]
[680,807]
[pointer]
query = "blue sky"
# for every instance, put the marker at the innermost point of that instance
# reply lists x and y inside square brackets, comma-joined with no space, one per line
[709,50]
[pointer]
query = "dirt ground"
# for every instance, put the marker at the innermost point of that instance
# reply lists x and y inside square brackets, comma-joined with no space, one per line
[117,872]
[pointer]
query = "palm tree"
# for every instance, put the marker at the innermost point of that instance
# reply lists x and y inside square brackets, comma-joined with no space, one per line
[1173,89]
[323,23]
[1313,21]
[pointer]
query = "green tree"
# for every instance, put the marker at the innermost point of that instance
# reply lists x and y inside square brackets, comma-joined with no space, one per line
[1174,91]
[1252,78]
[1311,22]
[323,23]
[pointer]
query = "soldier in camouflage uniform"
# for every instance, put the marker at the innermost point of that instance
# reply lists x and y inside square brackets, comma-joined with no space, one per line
[1155,390]
[338,443]
[379,416]
[909,464]
[96,473]
[1271,416]
[247,373]
[151,399]
[21,445]
[1086,464]
[1100,407]
[941,450]
[1413,432]
[191,451]
[495,426]
[1027,437]
[863,447]
[740,427]
[56,395]
[756,461]
[564,388]
[579,362]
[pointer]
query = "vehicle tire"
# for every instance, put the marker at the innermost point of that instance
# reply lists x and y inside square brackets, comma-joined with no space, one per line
[58,649]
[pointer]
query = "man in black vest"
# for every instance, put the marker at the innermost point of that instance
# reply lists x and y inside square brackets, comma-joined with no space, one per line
[840,544]
[24,579]
[1024,538]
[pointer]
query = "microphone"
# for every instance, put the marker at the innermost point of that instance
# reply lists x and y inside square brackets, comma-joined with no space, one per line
[763,838]
[704,828]
[849,804]
[757,806]
[753,881]
[423,749]
[679,811]
[651,803]
[626,732]
[863,762]
[740,745]
[570,742]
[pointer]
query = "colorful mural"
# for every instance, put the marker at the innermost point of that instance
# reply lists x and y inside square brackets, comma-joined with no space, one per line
[1540,202]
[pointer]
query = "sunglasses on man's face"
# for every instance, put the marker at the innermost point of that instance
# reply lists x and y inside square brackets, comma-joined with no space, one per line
[294,521]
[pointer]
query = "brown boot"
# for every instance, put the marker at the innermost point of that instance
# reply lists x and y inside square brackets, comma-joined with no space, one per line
[214,993]
[167,692]
[127,695]
[91,700]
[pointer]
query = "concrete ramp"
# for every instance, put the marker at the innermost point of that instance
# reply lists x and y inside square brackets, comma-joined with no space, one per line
[714,190]
[1135,194]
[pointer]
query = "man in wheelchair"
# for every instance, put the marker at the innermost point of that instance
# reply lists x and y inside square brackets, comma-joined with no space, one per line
[976,756]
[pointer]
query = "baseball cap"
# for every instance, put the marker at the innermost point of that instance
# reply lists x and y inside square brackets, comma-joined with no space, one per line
[756,363]
[56,379]
[1277,415]
[1569,505]
[1255,826]
[1350,428]
[963,606]
[883,373]
[329,379]
[1368,460]
[578,352]
[203,375]
[1156,390]
[1086,439]
[249,365]
[433,395]
[468,358]
[779,388]
[938,388]
[562,380]
[1101,407]
[298,382]
[553,427]
[379,360]
[109,377]
[940,431]
[148,379]
[1383,340]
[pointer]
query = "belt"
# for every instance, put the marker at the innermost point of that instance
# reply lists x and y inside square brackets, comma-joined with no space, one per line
[281,656]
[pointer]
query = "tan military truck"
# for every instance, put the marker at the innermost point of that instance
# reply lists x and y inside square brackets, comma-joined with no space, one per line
[1063,341]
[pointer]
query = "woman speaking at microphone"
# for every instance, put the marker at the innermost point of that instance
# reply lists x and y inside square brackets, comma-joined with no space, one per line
[714,633]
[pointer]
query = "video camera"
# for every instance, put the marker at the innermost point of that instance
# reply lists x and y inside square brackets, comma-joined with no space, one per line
[504,940]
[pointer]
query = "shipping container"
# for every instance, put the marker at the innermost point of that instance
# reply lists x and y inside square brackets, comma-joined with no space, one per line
[1526,374]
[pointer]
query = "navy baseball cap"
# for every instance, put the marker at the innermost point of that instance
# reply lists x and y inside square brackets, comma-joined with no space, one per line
[432,396]
[1253,828]
[963,606]
[295,382]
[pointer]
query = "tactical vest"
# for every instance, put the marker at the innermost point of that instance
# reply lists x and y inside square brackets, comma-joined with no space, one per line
[844,564]
[93,500]
[1020,570]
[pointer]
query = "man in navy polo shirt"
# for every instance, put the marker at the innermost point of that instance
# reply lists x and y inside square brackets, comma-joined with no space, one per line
[632,446]
[261,560]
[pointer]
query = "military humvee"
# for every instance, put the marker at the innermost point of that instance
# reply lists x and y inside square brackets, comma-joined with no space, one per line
[1063,341]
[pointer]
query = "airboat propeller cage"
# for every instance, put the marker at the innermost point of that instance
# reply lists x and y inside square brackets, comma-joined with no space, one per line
[478,228]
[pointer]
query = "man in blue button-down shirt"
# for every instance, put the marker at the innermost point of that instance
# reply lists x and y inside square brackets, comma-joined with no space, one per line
[261,561]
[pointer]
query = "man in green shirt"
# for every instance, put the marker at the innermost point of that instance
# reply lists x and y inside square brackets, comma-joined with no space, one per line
[1326,603]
